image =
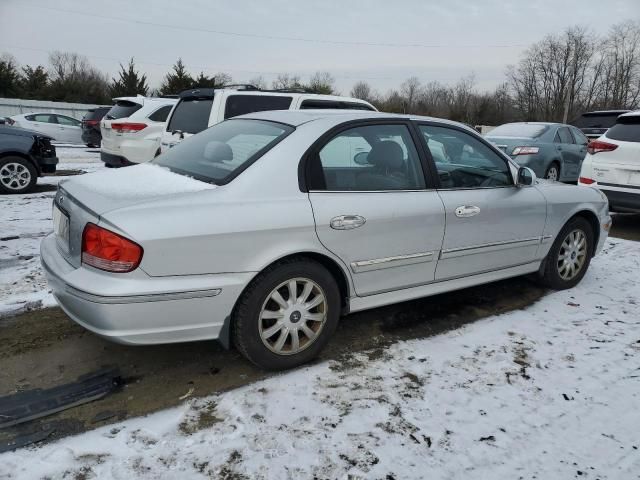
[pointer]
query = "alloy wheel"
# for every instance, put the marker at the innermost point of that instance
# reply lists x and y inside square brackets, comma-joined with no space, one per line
[572,255]
[15,176]
[292,316]
[552,173]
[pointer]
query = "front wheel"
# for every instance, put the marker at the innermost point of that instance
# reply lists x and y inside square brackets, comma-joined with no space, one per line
[287,314]
[17,175]
[569,257]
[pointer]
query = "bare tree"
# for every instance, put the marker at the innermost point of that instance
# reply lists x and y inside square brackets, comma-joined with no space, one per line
[287,81]
[74,79]
[322,82]
[363,91]
[410,90]
[259,82]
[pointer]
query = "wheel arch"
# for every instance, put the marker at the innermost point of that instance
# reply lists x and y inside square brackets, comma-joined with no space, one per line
[11,153]
[592,218]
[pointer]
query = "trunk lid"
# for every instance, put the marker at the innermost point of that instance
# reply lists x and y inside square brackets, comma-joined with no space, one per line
[88,197]
[507,144]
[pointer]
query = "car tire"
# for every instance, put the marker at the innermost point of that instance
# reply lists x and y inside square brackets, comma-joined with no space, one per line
[553,172]
[558,272]
[257,315]
[17,175]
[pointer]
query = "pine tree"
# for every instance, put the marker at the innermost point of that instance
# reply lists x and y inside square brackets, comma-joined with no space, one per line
[177,81]
[9,77]
[215,81]
[130,82]
[34,82]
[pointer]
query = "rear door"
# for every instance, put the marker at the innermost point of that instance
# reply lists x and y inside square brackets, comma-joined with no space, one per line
[70,128]
[491,223]
[373,208]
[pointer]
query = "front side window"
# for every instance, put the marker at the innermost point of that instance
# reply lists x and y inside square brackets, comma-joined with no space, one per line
[224,150]
[161,114]
[241,104]
[564,135]
[463,161]
[191,115]
[368,158]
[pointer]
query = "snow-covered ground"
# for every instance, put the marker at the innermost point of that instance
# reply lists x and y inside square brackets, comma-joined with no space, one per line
[25,220]
[548,392]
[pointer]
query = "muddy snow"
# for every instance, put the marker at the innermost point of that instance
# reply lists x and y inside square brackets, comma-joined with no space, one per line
[550,391]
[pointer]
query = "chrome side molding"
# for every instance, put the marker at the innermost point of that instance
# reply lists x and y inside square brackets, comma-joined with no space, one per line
[390,262]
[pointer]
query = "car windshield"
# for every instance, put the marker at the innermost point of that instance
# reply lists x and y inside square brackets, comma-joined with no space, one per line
[122,109]
[191,115]
[223,151]
[596,120]
[520,130]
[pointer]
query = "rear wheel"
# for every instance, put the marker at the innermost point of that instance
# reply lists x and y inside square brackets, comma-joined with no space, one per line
[17,175]
[569,257]
[287,314]
[553,172]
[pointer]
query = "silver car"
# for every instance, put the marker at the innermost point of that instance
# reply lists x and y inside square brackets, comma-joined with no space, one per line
[263,230]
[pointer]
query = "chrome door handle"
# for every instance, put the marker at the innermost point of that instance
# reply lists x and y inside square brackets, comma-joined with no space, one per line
[347,222]
[465,211]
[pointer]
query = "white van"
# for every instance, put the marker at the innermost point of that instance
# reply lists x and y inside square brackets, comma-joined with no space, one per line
[132,129]
[200,108]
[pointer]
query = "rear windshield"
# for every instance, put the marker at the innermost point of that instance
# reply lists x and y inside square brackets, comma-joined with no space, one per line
[626,130]
[191,115]
[122,109]
[333,104]
[596,120]
[522,130]
[96,114]
[223,151]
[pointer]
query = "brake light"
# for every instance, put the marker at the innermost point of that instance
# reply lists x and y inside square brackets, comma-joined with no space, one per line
[103,249]
[127,127]
[525,151]
[586,180]
[91,123]
[597,146]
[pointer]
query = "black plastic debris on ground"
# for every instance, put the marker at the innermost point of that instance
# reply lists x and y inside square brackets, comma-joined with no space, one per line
[29,405]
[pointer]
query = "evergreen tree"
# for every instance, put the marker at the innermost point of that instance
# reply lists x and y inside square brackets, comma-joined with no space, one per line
[214,81]
[130,82]
[34,82]
[176,81]
[9,77]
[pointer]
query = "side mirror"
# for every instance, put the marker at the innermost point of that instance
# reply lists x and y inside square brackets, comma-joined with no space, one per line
[361,158]
[526,177]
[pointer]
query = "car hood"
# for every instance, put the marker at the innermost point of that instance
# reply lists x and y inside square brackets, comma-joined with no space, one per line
[21,132]
[102,192]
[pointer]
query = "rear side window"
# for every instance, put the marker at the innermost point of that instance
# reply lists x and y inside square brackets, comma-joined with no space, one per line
[626,130]
[122,109]
[161,114]
[191,115]
[42,118]
[241,104]
[333,104]
[579,137]
[564,135]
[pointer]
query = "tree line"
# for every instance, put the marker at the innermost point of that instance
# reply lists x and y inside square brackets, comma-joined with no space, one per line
[555,79]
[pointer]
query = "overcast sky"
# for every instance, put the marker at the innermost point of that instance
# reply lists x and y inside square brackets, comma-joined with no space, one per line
[380,41]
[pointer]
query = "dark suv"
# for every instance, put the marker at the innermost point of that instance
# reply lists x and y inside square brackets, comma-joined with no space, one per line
[24,156]
[594,124]
[91,135]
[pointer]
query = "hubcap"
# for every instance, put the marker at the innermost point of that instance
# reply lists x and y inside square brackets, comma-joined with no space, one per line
[14,176]
[292,316]
[572,256]
[552,174]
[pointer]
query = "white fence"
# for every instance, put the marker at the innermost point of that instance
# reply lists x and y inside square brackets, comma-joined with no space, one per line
[16,106]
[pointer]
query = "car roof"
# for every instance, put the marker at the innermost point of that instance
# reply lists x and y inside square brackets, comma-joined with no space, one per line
[140,100]
[299,117]
[634,113]
[603,112]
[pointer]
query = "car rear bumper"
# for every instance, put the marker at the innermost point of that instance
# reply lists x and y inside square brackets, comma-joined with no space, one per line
[140,310]
[621,198]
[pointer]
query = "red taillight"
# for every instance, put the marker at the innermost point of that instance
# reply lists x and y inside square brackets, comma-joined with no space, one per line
[91,123]
[586,181]
[597,146]
[525,151]
[103,249]
[127,127]
[10,121]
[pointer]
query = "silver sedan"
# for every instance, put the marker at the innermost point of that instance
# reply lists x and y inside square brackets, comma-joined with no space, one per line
[263,230]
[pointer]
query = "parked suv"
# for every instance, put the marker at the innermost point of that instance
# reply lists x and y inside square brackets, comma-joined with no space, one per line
[613,164]
[91,135]
[594,124]
[24,156]
[132,128]
[200,108]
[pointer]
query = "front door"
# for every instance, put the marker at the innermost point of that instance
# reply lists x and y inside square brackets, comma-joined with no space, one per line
[572,154]
[373,209]
[491,223]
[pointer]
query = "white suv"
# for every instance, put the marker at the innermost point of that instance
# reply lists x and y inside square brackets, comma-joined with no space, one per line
[200,108]
[613,164]
[131,130]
